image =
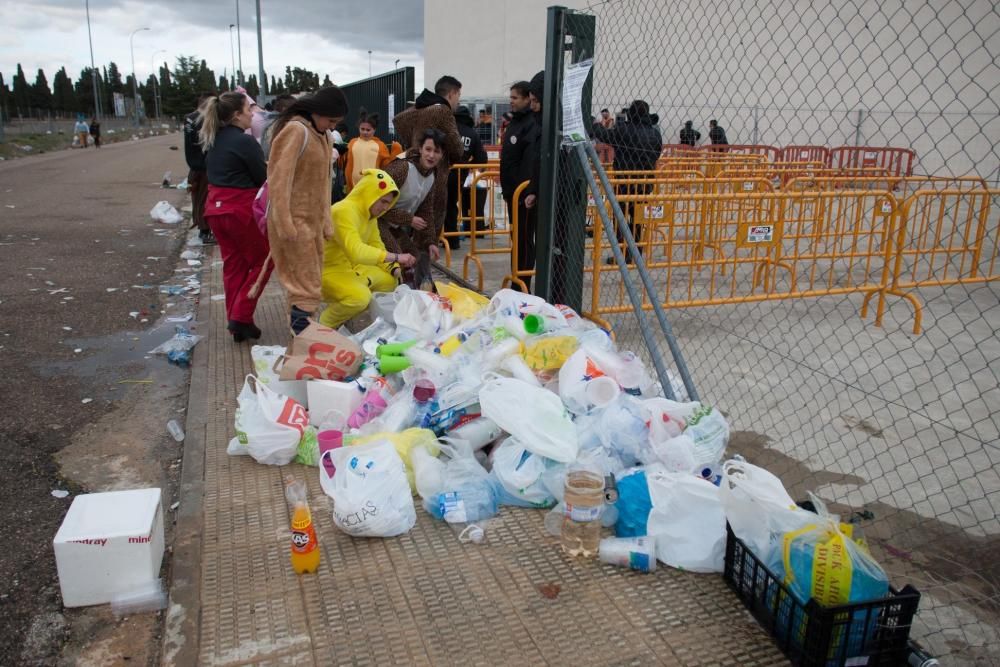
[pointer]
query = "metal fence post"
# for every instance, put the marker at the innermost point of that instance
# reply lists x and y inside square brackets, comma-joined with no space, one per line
[560,234]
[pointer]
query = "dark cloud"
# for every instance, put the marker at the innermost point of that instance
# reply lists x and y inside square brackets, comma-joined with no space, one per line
[397,25]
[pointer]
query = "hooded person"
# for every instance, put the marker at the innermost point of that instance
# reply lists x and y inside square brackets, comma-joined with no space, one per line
[435,110]
[409,226]
[356,262]
[299,189]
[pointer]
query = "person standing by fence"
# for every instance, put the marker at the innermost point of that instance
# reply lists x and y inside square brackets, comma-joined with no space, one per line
[717,134]
[689,135]
[299,194]
[236,169]
[95,131]
[516,155]
[196,178]
[82,131]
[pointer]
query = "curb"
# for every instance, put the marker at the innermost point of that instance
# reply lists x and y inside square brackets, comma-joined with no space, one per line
[182,626]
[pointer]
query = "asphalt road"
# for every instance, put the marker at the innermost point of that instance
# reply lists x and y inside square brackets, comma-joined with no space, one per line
[79,256]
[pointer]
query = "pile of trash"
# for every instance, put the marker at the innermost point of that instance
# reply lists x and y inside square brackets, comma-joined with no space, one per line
[471,404]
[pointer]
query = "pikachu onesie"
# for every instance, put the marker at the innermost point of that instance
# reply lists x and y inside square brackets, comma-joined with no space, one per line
[354,263]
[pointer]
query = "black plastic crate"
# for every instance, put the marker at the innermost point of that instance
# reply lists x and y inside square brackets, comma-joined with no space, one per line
[865,633]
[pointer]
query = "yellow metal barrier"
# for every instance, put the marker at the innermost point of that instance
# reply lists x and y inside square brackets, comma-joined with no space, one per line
[765,246]
[515,276]
[944,237]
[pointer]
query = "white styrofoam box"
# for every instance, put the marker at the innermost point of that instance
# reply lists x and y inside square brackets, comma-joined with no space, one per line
[327,395]
[108,544]
[267,362]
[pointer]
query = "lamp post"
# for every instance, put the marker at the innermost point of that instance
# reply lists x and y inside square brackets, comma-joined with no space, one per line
[135,86]
[239,45]
[156,86]
[395,65]
[260,57]
[93,69]
[369,63]
[232,52]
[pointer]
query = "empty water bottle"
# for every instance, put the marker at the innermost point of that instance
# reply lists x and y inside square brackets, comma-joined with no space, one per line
[175,430]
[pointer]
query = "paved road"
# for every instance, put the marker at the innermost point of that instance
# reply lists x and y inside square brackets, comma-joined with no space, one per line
[75,236]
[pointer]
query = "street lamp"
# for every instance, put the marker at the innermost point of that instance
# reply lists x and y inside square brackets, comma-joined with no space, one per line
[369,62]
[93,69]
[239,45]
[135,86]
[156,87]
[232,52]
[395,65]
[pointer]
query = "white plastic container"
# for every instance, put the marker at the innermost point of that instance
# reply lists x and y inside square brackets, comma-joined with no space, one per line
[108,545]
[637,553]
[327,395]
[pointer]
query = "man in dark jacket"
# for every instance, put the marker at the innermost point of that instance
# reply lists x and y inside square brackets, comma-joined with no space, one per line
[716,134]
[689,135]
[435,110]
[197,178]
[519,154]
[474,154]
[637,145]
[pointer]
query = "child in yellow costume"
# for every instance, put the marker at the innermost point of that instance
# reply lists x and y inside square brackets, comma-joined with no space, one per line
[355,261]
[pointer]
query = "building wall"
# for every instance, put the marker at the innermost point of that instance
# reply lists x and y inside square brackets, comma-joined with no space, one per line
[485,44]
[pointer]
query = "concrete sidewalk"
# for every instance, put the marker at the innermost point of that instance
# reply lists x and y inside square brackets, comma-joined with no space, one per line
[419,599]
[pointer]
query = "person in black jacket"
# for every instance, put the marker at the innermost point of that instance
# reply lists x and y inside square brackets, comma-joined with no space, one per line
[716,134]
[474,154]
[196,178]
[637,143]
[517,164]
[689,135]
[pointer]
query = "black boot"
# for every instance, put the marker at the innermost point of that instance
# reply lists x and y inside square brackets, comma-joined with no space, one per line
[298,320]
[242,331]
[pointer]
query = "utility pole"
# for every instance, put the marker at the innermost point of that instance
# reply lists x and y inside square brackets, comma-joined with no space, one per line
[260,55]
[239,45]
[135,86]
[93,69]
[156,85]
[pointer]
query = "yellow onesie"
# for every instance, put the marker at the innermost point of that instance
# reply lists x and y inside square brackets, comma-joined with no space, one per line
[354,263]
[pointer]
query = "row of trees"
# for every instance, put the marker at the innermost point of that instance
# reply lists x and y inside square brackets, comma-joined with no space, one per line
[178,89]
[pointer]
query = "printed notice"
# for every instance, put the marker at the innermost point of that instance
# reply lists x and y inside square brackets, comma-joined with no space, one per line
[760,233]
[574,78]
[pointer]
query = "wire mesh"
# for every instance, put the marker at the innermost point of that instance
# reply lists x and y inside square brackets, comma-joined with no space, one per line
[837,300]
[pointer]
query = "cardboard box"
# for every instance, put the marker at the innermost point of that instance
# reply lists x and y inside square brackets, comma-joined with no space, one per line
[109,544]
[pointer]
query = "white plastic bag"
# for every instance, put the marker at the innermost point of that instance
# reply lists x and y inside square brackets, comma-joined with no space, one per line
[371,497]
[424,313]
[686,520]
[267,363]
[533,415]
[758,507]
[710,433]
[519,473]
[165,213]
[268,426]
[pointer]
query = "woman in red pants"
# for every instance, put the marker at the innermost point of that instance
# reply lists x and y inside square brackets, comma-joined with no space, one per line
[235,168]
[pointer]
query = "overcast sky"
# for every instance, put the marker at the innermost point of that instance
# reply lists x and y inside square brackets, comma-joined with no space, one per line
[326,36]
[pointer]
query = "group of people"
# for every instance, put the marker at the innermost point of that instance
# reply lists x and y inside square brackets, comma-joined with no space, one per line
[688,136]
[84,131]
[327,243]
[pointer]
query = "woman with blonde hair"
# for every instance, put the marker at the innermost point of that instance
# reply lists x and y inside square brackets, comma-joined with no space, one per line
[235,169]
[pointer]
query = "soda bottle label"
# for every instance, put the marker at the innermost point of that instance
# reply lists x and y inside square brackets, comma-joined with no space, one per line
[303,538]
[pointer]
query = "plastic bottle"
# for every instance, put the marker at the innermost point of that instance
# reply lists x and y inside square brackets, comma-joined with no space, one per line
[375,402]
[499,351]
[478,432]
[423,395]
[534,324]
[581,526]
[305,547]
[515,365]
[638,553]
[175,430]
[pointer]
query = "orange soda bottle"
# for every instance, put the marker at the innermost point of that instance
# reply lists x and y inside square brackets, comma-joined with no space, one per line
[305,547]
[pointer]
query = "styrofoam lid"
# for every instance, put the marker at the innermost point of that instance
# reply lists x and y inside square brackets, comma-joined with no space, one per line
[110,514]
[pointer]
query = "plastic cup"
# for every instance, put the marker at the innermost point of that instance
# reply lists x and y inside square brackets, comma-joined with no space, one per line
[602,391]
[637,553]
[534,324]
[329,440]
[395,349]
[424,391]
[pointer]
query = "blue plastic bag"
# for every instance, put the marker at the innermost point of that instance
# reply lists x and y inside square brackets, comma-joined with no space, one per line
[633,505]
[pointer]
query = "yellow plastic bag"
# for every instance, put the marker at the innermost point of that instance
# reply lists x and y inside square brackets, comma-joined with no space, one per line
[549,353]
[404,442]
[465,303]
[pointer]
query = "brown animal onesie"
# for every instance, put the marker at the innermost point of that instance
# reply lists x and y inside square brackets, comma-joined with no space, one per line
[298,219]
[433,111]
[394,225]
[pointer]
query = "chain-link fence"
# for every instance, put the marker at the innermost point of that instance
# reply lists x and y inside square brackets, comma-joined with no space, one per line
[837,300]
